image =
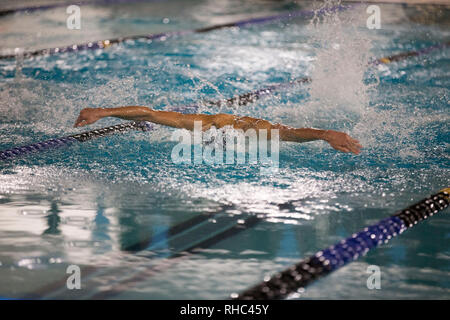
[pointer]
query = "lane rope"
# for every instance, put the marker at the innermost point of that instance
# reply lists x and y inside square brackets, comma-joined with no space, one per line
[56,143]
[409,54]
[296,277]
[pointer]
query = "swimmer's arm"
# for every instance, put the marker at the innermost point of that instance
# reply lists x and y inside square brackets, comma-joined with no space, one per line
[338,140]
[167,118]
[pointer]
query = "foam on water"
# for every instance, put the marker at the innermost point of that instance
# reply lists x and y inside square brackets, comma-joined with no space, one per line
[342,54]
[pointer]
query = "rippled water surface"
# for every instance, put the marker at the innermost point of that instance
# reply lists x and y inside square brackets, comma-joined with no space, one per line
[118,206]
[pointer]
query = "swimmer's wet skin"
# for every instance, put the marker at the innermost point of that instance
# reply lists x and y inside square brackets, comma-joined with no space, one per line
[338,140]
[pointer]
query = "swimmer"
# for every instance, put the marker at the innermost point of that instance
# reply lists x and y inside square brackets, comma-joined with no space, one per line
[338,140]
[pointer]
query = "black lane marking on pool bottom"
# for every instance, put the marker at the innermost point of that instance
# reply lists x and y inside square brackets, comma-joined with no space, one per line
[175,230]
[88,271]
[102,44]
[300,275]
[225,227]
[129,283]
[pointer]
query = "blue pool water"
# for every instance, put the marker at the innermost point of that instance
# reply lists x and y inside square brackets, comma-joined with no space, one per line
[107,205]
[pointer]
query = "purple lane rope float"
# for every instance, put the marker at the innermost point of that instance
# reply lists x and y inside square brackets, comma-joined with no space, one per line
[409,54]
[102,44]
[300,275]
[56,143]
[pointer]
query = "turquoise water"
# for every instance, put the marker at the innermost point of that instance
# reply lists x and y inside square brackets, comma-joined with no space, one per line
[107,205]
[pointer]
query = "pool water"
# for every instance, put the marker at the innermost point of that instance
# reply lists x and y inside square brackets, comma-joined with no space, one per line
[140,226]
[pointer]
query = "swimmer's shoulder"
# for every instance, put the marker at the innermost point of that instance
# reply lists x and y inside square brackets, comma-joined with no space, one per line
[224,119]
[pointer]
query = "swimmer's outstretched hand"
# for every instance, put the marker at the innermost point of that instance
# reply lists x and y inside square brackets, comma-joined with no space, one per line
[88,116]
[342,141]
